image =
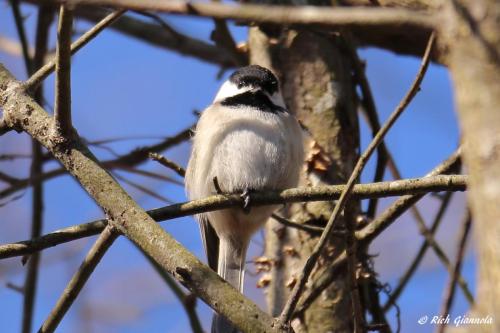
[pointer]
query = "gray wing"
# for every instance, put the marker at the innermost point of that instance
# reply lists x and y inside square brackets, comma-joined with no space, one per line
[210,242]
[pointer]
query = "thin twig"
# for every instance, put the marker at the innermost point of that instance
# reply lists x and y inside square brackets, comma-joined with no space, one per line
[149,174]
[163,36]
[384,220]
[405,278]
[8,179]
[370,110]
[216,202]
[142,188]
[79,279]
[43,72]
[18,19]
[133,158]
[168,163]
[321,283]
[300,226]
[223,38]
[364,235]
[188,301]
[457,267]
[311,261]
[62,106]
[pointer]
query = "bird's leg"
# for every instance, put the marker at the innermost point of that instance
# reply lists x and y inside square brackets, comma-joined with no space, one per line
[217,186]
[245,195]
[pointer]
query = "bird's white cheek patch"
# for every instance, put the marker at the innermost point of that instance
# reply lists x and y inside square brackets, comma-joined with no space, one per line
[229,89]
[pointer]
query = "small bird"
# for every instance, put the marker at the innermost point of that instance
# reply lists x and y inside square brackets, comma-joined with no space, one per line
[248,141]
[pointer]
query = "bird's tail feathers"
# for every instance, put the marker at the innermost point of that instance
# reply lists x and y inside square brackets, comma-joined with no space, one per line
[231,267]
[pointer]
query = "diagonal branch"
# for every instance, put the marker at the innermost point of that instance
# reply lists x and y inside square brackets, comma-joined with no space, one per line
[45,71]
[188,301]
[311,261]
[75,285]
[216,202]
[407,275]
[457,267]
[128,218]
[222,38]
[363,236]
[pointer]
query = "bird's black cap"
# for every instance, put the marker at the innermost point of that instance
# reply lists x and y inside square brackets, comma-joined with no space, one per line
[256,76]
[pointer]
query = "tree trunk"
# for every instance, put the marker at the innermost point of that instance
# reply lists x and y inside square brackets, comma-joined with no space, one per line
[474,61]
[318,88]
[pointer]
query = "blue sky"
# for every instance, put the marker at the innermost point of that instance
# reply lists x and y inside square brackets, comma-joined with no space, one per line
[125,88]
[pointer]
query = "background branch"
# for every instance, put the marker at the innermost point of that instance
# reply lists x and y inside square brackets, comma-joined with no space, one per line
[62,107]
[49,67]
[70,293]
[457,267]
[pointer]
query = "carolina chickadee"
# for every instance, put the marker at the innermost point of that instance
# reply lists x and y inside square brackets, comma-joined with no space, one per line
[248,140]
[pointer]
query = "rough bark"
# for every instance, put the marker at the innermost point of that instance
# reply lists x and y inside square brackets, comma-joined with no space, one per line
[472,33]
[317,87]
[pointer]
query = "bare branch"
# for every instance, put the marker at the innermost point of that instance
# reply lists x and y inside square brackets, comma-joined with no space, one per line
[62,107]
[411,4]
[142,188]
[168,163]
[301,226]
[311,261]
[384,220]
[135,157]
[30,284]
[18,19]
[377,226]
[365,234]
[320,193]
[12,47]
[222,38]
[457,267]
[334,17]
[8,179]
[188,301]
[158,36]
[370,110]
[70,293]
[45,71]
[405,278]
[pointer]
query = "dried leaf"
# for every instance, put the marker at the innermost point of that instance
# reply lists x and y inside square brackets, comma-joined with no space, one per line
[264,281]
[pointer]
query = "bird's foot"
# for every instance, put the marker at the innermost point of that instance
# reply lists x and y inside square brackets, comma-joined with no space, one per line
[245,195]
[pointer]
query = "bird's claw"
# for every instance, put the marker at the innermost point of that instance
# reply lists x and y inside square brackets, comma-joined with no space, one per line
[245,195]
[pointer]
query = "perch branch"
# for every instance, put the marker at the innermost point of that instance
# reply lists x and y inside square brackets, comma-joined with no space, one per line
[418,186]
